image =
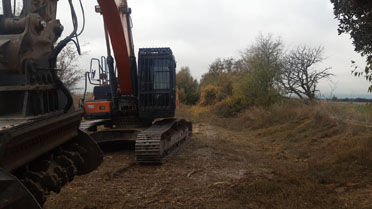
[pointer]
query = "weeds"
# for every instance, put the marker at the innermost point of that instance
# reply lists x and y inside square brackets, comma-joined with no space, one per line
[286,192]
[334,153]
[359,112]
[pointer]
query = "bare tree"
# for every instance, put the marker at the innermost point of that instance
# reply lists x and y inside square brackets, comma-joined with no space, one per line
[68,71]
[333,87]
[299,75]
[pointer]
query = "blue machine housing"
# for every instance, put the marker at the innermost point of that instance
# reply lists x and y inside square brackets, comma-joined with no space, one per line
[157,83]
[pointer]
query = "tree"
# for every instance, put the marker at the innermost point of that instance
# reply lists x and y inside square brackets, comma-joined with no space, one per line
[259,78]
[68,72]
[188,87]
[355,17]
[218,68]
[209,95]
[298,74]
[221,74]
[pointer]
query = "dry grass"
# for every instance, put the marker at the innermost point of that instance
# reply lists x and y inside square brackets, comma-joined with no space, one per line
[258,118]
[327,160]
[285,192]
[359,113]
[291,156]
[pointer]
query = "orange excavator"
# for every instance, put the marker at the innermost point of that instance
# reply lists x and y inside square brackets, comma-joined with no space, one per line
[41,145]
[135,104]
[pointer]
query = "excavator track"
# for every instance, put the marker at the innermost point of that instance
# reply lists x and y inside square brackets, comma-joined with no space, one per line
[154,144]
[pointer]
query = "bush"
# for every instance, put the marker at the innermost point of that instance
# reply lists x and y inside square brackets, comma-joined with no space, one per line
[188,87]
[229,107]
[209,95]
[251,90]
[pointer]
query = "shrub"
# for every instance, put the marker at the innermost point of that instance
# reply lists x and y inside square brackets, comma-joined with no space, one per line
[251,90]
[209,95]
[188,87]
[229,107]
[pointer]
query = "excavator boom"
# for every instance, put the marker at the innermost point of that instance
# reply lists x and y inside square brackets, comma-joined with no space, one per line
[116,15]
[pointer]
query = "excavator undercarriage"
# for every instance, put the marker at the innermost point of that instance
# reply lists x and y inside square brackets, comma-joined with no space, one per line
[155,143]
[152,142]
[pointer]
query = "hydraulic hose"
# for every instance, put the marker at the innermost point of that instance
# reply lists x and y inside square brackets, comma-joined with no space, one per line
[54,54]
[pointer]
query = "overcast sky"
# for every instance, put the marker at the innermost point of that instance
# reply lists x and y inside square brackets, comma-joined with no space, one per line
[199,31]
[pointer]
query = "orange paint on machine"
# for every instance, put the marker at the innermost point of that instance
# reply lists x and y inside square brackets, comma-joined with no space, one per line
[98,107]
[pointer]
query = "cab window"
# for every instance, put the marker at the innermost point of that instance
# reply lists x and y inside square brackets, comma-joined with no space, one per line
[1,8]
[17,7]
[160,70]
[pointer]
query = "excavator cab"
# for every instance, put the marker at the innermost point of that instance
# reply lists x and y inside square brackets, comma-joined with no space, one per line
[157,83]
[156,87]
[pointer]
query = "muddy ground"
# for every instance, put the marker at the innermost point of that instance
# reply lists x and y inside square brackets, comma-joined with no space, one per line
[215,168]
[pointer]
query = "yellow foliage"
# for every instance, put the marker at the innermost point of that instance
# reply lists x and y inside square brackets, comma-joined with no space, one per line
[209,95]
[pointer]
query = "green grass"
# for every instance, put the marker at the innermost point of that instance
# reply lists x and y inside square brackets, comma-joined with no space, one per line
[354,108]
[360,109]
[356,112]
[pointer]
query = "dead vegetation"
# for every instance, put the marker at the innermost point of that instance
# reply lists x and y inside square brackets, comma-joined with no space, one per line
[321,160]
[288,156]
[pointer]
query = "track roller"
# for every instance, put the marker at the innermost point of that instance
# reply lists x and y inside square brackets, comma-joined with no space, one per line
[155,143]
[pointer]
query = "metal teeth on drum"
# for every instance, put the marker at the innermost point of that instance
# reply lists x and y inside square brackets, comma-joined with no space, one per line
[53,171]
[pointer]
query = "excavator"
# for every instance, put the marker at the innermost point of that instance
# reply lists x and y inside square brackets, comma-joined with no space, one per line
[41,146]
[131,103]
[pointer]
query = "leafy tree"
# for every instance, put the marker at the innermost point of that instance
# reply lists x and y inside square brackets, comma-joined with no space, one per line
[262,63]
[355,17]
[188,87]
[217,69]
[299,75]
[68,72]
[221,74]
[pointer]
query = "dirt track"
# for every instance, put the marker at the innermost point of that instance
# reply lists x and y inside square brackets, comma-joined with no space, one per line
[196,176]
[216,168]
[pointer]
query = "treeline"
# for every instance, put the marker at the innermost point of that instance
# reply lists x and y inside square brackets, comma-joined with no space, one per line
[263,75]
[360,100]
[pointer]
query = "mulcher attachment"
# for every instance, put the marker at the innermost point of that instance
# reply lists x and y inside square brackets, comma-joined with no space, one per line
[156,142]
[13,194]
[52,171]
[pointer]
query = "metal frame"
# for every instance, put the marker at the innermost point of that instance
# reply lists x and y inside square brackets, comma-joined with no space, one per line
[154,101]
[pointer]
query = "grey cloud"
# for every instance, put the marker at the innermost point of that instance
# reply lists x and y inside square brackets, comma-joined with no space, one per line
[199,31]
